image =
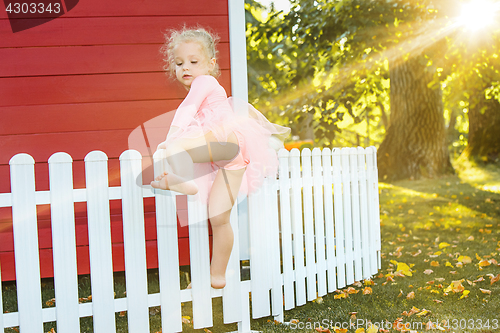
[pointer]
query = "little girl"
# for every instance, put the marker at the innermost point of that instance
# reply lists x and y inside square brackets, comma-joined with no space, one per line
[215,151]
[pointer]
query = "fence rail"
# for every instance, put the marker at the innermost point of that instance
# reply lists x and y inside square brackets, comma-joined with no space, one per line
[311,231]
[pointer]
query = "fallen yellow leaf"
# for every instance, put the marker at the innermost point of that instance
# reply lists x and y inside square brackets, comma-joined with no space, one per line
[455,286]
[423,313]
[465,294]
[411,295]
[367,291]
[485,291]
[339,296]
[351,290]
[484,263]
[401,267]
[434,264]
[464,259]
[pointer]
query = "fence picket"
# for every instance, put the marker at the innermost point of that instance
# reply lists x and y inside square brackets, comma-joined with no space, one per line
[363,205]
[134,242]
[374,209]
[319,222]
[62,214]
[200,263]
[258,256]
[308,224]
[231,296]
[331,260]
[24,223]
[298,233]
[346,186]
[168,252]
[99,228]
[286,229]
[339,218]
[274,244]
[356,224]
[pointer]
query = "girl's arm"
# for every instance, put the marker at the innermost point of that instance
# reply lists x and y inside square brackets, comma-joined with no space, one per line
[201,87]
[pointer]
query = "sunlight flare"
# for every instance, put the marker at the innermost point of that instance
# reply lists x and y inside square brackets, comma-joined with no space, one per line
[478,14]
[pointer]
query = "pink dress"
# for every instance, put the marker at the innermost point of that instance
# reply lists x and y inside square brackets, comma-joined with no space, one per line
[207,108]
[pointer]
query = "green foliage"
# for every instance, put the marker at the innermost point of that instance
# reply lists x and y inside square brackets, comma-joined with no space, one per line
[331,59]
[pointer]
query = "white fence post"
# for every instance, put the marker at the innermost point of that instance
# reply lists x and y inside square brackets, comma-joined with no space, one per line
[331,259]
[274,244]
[339,218]
[24,220]
[99,225]
[308,224]
[134,241]
[346,196]
[200,263]
[62,215]
[168,252]
[355,207]
[286,229]
[363,200]
[231,295]
[374,206]
[298,232]
[319,220]
[258,255]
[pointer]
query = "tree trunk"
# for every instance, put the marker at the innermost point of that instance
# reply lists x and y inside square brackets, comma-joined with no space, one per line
[415,142]
[484,129]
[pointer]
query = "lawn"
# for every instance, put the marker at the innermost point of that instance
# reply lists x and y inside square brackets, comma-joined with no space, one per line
[440,246]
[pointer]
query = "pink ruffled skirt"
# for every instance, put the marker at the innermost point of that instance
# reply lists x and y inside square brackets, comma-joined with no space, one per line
[253,131]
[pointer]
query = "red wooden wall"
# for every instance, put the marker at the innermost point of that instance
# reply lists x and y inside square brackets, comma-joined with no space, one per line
[83,82]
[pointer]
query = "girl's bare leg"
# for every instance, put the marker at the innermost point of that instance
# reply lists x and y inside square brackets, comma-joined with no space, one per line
[219,210]
[183,152]
[181,179]
[181,155]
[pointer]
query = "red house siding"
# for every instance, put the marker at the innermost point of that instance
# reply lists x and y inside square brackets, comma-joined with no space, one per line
[83,82]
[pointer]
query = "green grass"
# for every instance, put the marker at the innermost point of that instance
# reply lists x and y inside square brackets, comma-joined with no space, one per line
[424,221]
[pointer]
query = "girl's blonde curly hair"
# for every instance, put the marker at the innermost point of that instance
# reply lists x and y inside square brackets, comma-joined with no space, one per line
[207,40]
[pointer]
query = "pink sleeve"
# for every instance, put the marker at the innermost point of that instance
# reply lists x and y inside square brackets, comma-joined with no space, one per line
[201,87]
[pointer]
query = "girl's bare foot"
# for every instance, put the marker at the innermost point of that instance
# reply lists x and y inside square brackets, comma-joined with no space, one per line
[161,182]
[218,282]
[178,184]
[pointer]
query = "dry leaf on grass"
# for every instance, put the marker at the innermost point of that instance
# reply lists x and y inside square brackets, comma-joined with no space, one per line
[485,291]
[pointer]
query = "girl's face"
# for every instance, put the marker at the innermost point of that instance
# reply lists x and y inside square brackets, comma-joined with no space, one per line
[190,62]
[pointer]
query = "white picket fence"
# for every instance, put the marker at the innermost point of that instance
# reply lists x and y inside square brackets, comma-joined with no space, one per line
[324,235]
